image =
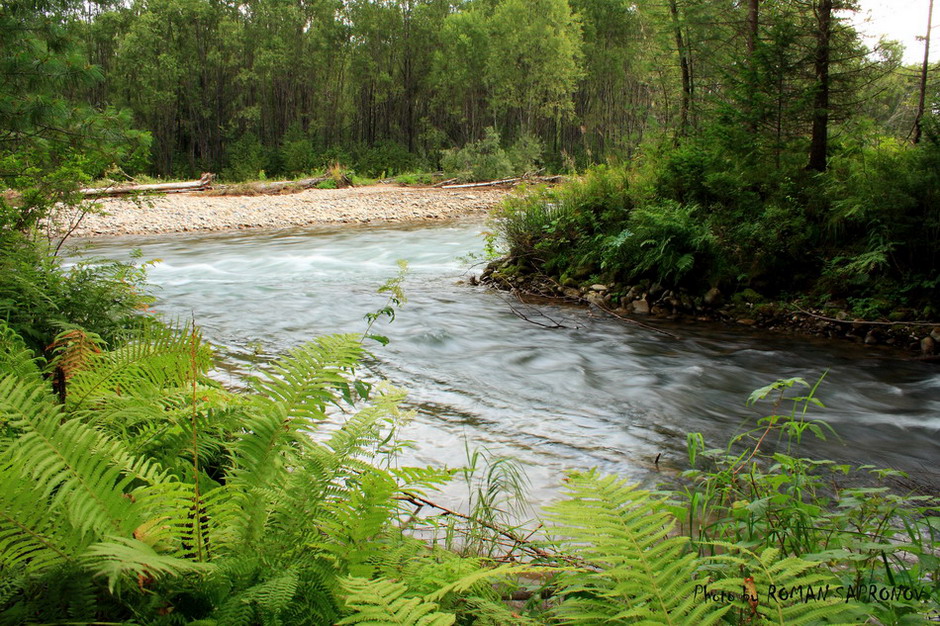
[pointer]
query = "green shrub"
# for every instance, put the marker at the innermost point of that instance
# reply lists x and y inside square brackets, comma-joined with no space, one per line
[297,153]
[557,228]
[39,297]
[525,154]
[668,242]
[246,158]
[386,158]
[885,221]
[481,160]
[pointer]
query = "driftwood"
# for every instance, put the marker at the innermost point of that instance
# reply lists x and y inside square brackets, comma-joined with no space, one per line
[861,322]
[492,183]
[505,181]
[119,190]
[277,187]
[296,185]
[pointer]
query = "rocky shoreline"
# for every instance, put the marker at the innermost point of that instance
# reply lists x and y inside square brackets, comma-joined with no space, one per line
[643,301]
[202,212]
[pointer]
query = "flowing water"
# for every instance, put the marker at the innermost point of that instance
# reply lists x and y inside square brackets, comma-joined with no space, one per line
[596,392]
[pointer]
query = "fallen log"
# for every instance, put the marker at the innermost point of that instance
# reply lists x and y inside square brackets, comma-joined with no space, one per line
[194,185]
[289,185]
[278,187]
[491,183]
[505,181]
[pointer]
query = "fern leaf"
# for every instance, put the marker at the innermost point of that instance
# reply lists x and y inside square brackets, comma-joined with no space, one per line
[72,465]
[789,591]
[468,582]
[307,379]
[15,357]
[120,557]
[30,537]
[74,350]
[642,574]
[157,358]
[384,603]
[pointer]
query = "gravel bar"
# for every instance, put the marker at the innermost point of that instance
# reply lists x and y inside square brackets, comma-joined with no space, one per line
[199,212]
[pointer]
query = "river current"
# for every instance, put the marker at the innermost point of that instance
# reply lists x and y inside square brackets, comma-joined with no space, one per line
[594,393]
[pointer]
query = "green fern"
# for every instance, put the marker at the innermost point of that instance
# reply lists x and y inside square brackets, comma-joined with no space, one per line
[72,465]
[120,557]
[156,358]
[385,603]
[803,591]
[309,377]
[636,571]
[15,357]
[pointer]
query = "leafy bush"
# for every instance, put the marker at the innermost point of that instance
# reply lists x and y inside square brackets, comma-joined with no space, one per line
[39,297]
[481,160]
[246,158]
[298,155]
[386,159]
[669,243]
[525,154]
[885,222]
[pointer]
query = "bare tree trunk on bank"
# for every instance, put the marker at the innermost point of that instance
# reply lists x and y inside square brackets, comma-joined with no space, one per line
[921,102]
[819,145]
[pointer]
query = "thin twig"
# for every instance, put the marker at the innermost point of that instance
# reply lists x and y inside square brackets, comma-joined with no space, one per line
[73,224]
[860,322]
[522,543]
[633,321]
[554,324]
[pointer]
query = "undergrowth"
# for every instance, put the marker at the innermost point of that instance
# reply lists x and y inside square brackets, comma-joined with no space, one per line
[135,489]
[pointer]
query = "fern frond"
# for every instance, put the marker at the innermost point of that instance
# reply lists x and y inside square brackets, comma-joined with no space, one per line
[272,596]
[417,479]
[383,602]
[643,574]
[306,380]
[73,466]
[120,557]
[488,574]
[15,357]
[30,537]
[361,436]
[789,591]
[156,358]
[73,351]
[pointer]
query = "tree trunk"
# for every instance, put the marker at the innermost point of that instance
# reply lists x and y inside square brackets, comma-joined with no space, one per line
[923,78]
[752,22]
[196,185]
[819,145]
[684,68]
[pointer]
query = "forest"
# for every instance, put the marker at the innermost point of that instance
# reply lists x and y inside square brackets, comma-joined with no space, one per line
[758,147]
[389,86]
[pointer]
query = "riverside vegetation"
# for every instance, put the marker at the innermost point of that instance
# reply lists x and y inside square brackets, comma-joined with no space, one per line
[135,489]
[695,232]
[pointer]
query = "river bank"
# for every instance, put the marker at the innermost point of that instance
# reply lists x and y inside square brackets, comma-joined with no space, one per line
[200,212]
[646,301]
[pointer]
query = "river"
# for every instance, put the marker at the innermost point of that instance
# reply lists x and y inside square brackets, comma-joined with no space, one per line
[596,392]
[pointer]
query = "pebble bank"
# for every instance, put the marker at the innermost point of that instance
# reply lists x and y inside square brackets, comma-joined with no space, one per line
[194,212]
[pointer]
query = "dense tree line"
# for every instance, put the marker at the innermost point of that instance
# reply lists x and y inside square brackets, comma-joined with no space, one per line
[386,85]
